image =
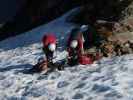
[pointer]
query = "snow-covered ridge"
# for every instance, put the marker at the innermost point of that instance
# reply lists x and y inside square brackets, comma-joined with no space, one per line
[111,79]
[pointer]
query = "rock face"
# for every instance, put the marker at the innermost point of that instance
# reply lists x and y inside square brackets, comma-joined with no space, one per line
[127,17]
[117,13]
[111,10]
[128,12]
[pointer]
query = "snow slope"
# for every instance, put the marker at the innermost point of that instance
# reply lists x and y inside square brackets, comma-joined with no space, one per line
[111,79]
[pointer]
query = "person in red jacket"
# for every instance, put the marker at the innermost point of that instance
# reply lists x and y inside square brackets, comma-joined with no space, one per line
[75,40]
[49,45]
[75,48]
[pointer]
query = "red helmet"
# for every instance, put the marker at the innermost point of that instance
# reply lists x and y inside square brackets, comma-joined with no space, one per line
[49,39]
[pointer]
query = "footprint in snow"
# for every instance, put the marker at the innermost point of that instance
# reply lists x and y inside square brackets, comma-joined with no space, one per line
[100,88]
[62,84]
[90,98]
[78,96]
[13,98]
[42,77]
[80,85]
[84,78]
[114,82]
[59,98]
[98,78]
[123,68]
[54,75]
[113,94]
[36,92]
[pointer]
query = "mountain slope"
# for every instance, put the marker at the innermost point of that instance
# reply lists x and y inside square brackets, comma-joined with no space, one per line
[111,79]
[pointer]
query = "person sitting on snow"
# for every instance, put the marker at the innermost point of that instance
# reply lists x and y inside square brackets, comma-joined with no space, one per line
[49,47]
[75,48]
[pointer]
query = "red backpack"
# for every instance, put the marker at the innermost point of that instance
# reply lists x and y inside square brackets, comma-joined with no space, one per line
[85,60]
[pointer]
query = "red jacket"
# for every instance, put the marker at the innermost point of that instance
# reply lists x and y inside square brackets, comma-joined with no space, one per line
[48,39]
[82,59]
[78,37]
